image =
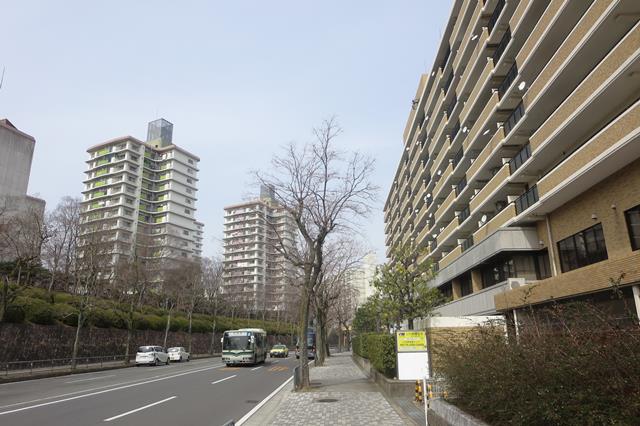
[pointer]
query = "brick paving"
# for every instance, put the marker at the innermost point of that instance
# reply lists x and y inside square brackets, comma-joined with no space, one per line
[353,400]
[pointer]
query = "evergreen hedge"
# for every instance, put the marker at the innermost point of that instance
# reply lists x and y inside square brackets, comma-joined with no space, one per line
[379,349]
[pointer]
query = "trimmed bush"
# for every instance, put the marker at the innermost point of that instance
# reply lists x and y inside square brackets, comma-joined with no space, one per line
[104,318]
[66,314]
[37,311]
[380,349]
[178,324]
[14,314]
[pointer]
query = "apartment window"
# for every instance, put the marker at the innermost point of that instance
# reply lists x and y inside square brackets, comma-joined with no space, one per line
[446,57]
[498,272]
[543,266]
[466,286]
[190,161]
[190,171]
[633,223]
[500,48]
[187,211]
[185,232]
[526,200]
[129,201]
[464,214]
[467,243]
[513,119]
[446,290]
[455,130]
[457,158]
[189,181]
[582,249]
[189,191]
[508,80]
[451,106]
[520,158]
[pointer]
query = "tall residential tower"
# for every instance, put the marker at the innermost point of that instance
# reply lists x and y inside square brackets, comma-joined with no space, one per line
[520,171]
[142,195]
[257,277]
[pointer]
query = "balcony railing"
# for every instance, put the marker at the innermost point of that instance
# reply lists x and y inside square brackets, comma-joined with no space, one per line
[457,158]
[526,200]
[461,185]
[520,158]
[508,80]
[497,54]
[495,15]
[455,131]
[451,106]
[446,57]
[514,118]
[467,243]
[448,82]
[464,214]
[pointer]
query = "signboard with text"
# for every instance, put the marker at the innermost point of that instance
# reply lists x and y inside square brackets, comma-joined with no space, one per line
[413,355]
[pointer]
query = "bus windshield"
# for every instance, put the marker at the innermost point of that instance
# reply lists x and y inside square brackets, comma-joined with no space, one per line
[235,343]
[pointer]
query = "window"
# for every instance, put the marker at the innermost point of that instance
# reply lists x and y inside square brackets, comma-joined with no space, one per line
[508,80]
[187,211]
[187,200]
[633,223]
[500,48]
[447,83]
[495,15]
[185,232]
[446,290]
[498,272]
[190,171]
[526,200]
[189,181]
[190,161]
[520,158]
[513,119]
[466,287]
[582,249]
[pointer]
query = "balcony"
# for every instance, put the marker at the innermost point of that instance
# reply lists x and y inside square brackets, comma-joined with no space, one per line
[480,86]
[482,124]
[496,182]
[485,154]
[446,174]
[520,158]
[446,232]
[497,11]
[477,303]
[477,60]
[450,257]
[499,220]
[444,207]
[463,55]
[526,200]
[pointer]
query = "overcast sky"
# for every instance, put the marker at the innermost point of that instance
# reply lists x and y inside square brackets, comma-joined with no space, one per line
[238,79]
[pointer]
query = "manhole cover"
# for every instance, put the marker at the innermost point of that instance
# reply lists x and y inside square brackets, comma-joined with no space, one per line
[252,401]
[326,400]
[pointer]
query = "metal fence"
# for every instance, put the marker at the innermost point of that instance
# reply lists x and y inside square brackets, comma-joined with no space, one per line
[60,364]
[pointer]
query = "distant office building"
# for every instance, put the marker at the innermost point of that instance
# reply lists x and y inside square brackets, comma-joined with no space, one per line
[16,154]
[142,195]
[519,177]
[257,277]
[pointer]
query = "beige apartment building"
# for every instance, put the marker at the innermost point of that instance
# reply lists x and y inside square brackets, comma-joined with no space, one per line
[520,173]
[257,279]
[142,195]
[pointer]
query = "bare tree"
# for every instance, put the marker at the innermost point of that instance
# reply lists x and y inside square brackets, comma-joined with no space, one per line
[172,293]
[324,191]
[194,292]
[212,283]
[93,271]
[58,250]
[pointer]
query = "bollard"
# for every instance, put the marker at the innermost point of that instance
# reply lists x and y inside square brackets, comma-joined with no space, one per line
[418,391]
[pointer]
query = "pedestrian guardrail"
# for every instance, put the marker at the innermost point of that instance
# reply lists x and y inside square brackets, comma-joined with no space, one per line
[60,364]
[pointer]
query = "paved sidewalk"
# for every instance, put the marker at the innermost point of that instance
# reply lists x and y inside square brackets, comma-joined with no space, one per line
[340,395]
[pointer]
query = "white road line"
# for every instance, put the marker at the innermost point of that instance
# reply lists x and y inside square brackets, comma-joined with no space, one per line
[222,380]
[254,369]
[264,401]
[91,378]
[275,362]
[139,409]
[100,387]
[103,391]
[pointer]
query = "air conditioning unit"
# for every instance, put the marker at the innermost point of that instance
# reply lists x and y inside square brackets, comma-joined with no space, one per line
[513,283]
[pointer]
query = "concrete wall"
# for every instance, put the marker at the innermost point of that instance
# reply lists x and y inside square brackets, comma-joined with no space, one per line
[16,153]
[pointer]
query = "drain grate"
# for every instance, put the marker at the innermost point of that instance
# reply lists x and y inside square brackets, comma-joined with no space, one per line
[326,400]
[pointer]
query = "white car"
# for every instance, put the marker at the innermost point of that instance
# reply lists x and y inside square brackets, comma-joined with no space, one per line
[178,354]
[151,355]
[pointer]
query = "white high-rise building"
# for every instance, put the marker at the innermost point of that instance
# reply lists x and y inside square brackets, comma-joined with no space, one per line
[361,277]
[143,195]
[257,277]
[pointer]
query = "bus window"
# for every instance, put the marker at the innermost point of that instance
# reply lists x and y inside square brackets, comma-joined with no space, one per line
[236,343]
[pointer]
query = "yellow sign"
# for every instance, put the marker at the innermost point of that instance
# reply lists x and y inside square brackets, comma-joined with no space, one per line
[411,341]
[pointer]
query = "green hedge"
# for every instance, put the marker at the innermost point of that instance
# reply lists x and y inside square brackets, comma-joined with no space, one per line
[379,349]
[37,306]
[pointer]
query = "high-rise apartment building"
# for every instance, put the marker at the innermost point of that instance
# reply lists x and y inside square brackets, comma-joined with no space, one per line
[360,278]
[142,196]
[520,171]
[257,278]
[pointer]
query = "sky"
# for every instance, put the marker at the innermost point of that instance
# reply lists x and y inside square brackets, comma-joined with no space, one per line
[238,79]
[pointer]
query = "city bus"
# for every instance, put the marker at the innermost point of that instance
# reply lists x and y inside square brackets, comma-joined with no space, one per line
[244,346]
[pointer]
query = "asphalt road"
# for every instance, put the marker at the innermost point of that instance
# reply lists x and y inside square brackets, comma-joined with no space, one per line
[200,392]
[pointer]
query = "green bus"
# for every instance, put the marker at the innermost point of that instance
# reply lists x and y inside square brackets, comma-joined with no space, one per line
[244,346]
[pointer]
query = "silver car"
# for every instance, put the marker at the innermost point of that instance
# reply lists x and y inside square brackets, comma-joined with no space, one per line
[178,354]
[151,355]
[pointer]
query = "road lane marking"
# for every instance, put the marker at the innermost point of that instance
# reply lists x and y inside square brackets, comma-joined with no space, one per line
[100,387]
[100,392]
[264,401]
[275,362]
[139,409]
[279,368]
[91,378]
[222,380]
[254,369]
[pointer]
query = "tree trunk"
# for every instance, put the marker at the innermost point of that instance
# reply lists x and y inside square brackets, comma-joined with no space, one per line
[319,361]
[213,337]
[76,341]
[5,296]
[166,330]
[190,336]
[302,340]
[410,323]
[127,346]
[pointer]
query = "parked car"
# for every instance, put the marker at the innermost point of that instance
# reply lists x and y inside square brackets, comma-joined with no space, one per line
[151,355]
[279,351]
[178,354]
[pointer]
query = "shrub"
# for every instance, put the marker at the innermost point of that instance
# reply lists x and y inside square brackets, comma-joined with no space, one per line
[563,370]
[66,314]
[379,349]
[104,318]
[37,311]
[14,314]
[200,326]
[178,324]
